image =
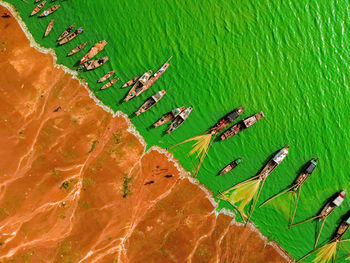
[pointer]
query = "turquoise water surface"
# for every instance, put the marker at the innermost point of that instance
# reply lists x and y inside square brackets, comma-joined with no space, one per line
[287,59]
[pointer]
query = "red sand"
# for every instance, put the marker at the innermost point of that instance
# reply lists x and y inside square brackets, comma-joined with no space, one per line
[72,182]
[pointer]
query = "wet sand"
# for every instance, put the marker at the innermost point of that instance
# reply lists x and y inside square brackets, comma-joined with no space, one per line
[73,182]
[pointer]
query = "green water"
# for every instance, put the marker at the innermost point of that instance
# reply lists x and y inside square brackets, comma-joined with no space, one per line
[287,59]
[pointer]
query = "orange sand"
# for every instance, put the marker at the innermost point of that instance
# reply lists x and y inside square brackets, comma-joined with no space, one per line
[72,182]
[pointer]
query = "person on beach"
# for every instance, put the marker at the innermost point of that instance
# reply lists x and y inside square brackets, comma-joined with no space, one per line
[150,182]
[6,15]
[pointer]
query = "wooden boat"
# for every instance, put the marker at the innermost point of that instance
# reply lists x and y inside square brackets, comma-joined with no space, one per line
[37,1]
[330,206]
[274,162]
[98,47]
[231,166]
[66,32]
[242,125]
[344,226]
[71,36]
[94,64]
[38,8]
[49,11]
[151,102]
[179,120]
[77,49]
[169,116]
[131,82]
[137,89]
[155,77]
[227,120]
[110,83]
[105,77]
[49,28]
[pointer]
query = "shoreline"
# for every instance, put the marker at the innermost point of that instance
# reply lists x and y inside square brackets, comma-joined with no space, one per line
[132,130]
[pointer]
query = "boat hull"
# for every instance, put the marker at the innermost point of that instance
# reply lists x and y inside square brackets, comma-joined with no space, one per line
[105,77]
[49,28]
[150,102]
[77,49]
[109,84]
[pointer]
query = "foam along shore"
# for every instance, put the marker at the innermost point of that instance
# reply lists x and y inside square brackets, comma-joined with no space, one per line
[73,177]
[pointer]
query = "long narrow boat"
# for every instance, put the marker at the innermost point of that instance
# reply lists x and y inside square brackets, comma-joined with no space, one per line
[137,89]
[37,1]
[151,102]
[231,166]
[155,77]
[179,120]
[169,116]
[109,84]
[105,77]
[49,11]
[94,64]
[77,49]
[274,162]
[98,47]
[38,8]
[226,121]
[344,226]
[242,125]
[66,32]
[330,206]
[71,36]
[131,82]
[49,28]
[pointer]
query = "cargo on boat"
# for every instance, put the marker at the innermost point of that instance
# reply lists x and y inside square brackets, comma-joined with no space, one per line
[151,102]
[49,28]
[105,77]
[131,82]
[331,205]
[49,11]
[138,87]
[98,47]
[227,120]
[94,64]
[38,8]
[71,36]
[66,32]
[179,120]
[77,49]
[109,84]
[242,125]
[231,166]
[169,116]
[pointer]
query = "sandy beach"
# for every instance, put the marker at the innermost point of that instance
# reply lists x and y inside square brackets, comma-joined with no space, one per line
[76,185]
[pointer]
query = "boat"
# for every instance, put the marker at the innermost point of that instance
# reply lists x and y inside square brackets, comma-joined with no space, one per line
[274,162]
[344,226]
[169,116]
[137,89]
[49,28]
[38,8]
[305,173]
[49,11]
[227,120]
[107,76]
[94,64]
[151,102]
[66,32]
[155,77]
[131,82]
[71,36]
[37,1]
[179,120]
[77,49]
[231,166]
[330,206]
[109,84]
[242,125]
[98,47]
